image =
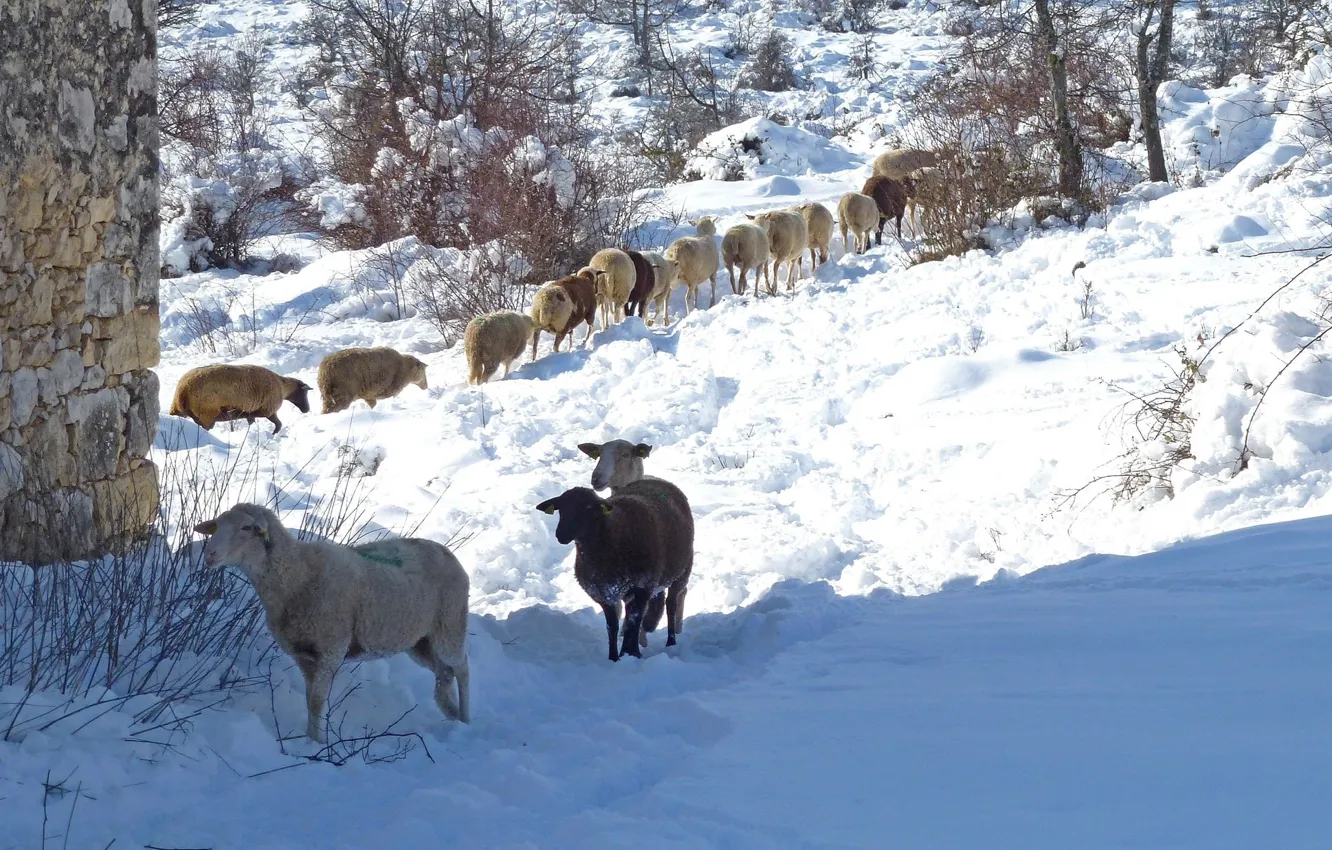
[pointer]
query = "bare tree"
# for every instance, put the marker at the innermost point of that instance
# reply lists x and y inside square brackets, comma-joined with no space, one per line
[645,19]
[1150,69]
[1065,137]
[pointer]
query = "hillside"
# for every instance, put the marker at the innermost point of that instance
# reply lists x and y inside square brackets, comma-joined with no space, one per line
[901,619]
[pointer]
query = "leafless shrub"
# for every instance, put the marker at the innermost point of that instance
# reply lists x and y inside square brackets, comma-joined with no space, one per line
[770,67]
[174,14]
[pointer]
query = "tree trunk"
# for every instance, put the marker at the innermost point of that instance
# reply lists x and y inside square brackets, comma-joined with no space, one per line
[1066,140]
[1151,73]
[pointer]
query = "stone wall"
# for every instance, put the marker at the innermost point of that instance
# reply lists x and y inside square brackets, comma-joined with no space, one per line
[78,275]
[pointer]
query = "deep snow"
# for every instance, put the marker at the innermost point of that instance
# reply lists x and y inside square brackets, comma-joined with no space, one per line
[858,456]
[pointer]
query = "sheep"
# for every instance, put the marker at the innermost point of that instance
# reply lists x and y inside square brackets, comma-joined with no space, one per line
[562,305]
[664,273]
[370,374]
[493,339]
[326,603]
[924,187]
[891,196]
[614,288]
[819,224]
[903,162]
[787,239]
[644,284]
[697,260]
[630,547]
[746,246]
[620,462]
[859,214]
[224,392]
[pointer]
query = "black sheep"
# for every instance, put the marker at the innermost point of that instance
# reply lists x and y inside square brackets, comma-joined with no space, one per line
[631,546]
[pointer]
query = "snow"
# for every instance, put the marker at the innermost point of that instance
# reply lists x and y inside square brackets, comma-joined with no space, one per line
[896,623]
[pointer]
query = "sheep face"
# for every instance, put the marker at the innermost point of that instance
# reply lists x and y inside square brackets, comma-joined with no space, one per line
[300,397]
[417,374]
[618,461]
[238,537]
[581,512]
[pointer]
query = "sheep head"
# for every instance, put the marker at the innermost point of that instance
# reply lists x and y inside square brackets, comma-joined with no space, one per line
[705,226]
[582,512]
[418,373]
[297,393]
[619,462]
[242,536]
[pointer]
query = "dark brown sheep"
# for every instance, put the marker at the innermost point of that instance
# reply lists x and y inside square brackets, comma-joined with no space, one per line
[631,547]
[644,281]
[891,196]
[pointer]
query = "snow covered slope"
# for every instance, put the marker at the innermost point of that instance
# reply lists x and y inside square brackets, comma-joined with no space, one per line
[897,632]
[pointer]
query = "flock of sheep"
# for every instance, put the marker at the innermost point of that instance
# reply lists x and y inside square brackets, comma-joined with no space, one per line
[326,603]
[620,282]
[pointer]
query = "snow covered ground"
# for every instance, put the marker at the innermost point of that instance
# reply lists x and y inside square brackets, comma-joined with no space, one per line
[896,632]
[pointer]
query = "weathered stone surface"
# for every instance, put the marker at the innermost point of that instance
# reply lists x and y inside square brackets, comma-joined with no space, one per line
[23,395]
[126,503]
[98,431]
[78,238]
[144,407]
[11,471]
[108,290]
[49,459]
[130,342]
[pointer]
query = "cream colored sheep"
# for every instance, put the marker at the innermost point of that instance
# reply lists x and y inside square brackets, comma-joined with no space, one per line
[494,339]
[614,287]
[860,215]
[698,260]
[224,392]
[370,374]
[326,603]
[664,274]
[787,239]
[902,162]
[562,305]
[746,246]
[819,226]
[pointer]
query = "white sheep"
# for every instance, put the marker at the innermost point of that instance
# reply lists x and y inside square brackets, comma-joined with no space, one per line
[614,286]
[746,246]
[787,239]
[664,274]
[697,259]
[819,226]
[326,603]
[860,215]
[900,163]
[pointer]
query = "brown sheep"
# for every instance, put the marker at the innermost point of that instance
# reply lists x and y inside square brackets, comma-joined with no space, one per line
[564,304]
[490,340]
[644,284]
[819,223]
[370,374]
[891,196]
[223,392]
[613,290]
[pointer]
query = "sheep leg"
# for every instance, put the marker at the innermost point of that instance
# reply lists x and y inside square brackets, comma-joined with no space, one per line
[318,671]
[590,328]
[675,611]
[535,334]
[878,234]
[612,613]
[899,226]
[652,618]
[713,303]
[634,607]
[448,670]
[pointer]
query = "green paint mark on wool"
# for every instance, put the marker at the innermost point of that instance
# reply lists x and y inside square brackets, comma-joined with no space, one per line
[365,552]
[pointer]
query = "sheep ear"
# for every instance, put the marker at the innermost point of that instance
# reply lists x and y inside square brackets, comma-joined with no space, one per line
[207,528]
[694,222]
[751,217]
[547,506]
[642,450]
[592,450]
[606,508]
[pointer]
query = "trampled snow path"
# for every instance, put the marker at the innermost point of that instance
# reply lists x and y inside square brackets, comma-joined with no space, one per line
[1178,699]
